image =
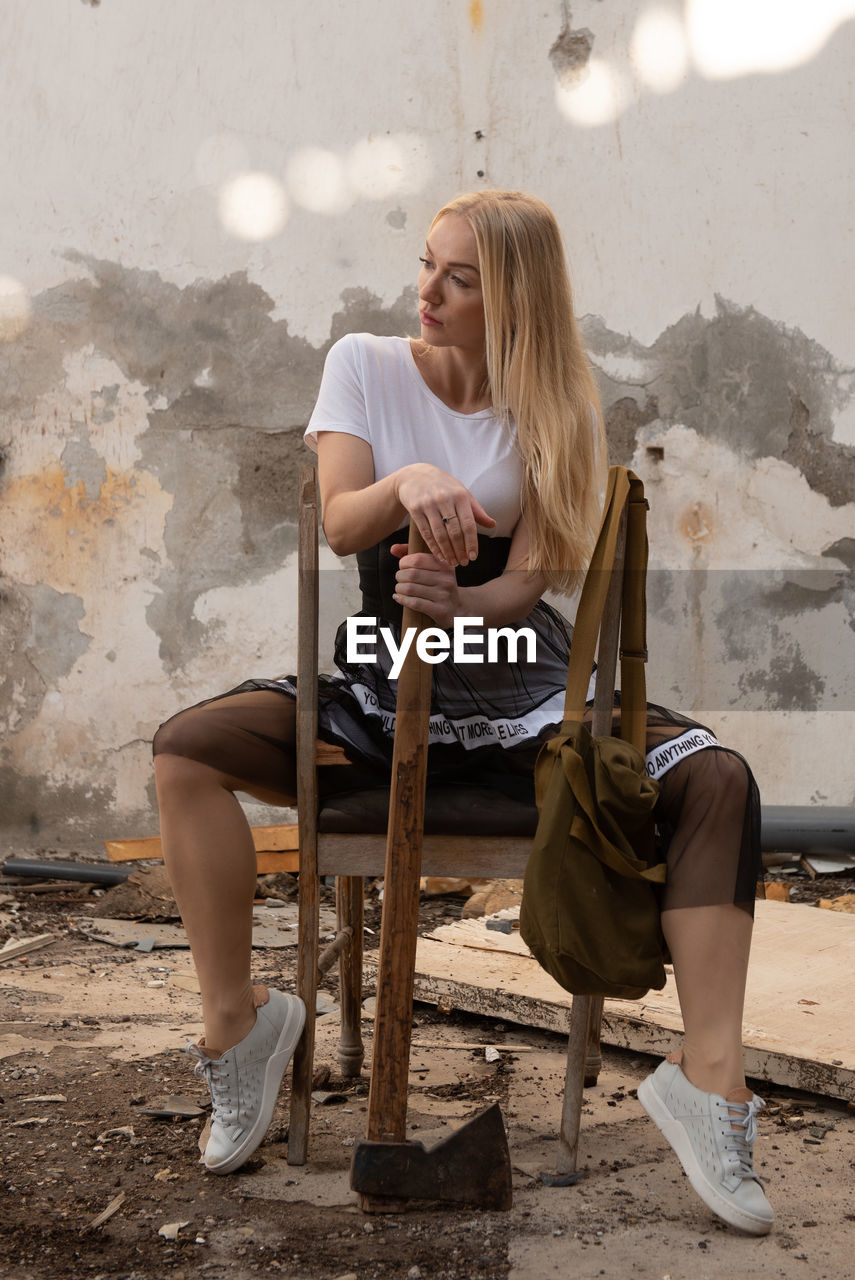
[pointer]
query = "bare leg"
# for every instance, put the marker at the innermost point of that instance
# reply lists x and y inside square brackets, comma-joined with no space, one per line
[210,858]
[709,947]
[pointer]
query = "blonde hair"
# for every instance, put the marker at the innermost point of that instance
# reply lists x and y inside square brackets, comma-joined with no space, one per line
[538,373]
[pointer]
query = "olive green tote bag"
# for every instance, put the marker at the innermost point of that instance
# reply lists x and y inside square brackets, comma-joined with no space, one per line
[590,909]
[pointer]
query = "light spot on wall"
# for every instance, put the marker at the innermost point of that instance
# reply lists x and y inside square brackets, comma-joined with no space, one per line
[317,181]
[597,99]
[589,91]
[379,167]
[253,206]
[15,309]
[659,49]
[732,38]
[373,168]
[476,14]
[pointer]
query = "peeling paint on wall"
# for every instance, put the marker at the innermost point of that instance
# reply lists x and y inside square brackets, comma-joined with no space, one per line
[152,443]
[152,440]
[571,51]
[763,389]
[41,640]
[55,641]
[731,422]
[211,350]
[153,388]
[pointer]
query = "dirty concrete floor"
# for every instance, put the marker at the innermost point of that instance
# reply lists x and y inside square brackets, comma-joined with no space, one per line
[91,1034]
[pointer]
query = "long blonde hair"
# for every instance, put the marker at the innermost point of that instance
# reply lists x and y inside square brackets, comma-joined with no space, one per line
[538,372]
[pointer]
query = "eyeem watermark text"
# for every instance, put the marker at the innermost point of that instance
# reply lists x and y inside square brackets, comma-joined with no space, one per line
[465,644]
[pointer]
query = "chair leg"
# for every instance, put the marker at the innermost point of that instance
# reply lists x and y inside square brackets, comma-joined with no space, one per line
[571,1111]
[307,990]
[349,913]
[594,1058]
[307,809]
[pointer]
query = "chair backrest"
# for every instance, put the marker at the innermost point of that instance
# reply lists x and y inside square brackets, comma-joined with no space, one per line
[492,831]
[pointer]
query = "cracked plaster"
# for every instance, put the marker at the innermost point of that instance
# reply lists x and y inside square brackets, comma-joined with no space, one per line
[731,424]
[151,437]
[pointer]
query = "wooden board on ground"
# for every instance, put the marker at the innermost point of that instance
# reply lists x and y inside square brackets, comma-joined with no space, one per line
[277,848]
[798,1028]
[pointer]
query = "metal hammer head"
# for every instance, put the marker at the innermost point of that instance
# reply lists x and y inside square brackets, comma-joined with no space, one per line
[471,1166]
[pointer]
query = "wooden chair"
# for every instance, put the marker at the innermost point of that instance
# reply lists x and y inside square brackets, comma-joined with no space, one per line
[468,831]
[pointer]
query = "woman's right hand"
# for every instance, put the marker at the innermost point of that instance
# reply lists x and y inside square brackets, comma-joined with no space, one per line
[445,512]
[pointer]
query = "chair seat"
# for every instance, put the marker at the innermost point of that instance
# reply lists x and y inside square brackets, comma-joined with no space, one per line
[449,810]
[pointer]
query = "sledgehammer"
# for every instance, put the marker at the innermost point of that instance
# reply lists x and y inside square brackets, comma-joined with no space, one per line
[386,1164]
[471,1166]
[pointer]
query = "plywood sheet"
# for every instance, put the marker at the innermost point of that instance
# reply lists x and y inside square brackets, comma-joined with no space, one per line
[798,1027]
[271,927]
[277,848]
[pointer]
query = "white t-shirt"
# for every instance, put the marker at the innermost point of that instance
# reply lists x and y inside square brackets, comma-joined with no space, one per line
[372,388]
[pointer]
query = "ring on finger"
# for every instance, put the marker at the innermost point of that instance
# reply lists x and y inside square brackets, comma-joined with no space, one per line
[445,519]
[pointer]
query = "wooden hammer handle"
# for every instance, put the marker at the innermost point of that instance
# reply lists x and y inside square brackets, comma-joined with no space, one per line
[387,1100]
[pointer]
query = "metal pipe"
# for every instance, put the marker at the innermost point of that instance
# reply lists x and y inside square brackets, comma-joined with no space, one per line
[784,828]
[807,828]
[87,872]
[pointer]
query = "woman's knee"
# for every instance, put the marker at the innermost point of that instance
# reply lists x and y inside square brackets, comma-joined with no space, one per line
[724,775]
[180,747]
[176,777]
[712,781]
[179,736]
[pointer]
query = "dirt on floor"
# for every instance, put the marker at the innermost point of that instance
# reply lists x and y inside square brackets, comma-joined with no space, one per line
[95,1186]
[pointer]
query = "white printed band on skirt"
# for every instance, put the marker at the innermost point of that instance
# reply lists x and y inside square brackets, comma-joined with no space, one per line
[507,707]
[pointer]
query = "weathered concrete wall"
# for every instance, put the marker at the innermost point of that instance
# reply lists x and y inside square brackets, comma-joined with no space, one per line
[196,199]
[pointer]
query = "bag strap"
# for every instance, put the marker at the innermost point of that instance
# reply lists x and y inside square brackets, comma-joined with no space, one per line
[623,489]
[633,629]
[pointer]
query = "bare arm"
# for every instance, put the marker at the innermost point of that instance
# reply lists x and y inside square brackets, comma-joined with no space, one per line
[358,511]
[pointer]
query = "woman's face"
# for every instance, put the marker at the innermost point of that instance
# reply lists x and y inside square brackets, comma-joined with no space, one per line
[451,304]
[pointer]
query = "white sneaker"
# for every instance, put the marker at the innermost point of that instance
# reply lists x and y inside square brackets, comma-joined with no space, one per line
[244,1082]
[713,1137]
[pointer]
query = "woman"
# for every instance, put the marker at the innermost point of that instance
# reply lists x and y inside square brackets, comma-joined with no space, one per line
[487,432]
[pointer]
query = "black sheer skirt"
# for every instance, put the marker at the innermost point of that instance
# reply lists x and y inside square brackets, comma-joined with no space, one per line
[489,720]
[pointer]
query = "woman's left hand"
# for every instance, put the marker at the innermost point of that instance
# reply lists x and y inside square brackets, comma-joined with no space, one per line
[427,585]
